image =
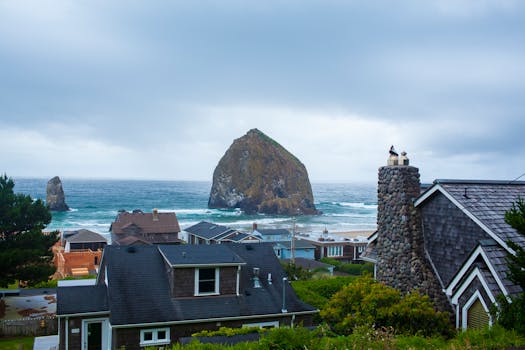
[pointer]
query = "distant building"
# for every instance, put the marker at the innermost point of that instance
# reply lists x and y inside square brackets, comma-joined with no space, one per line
[148,228]
[78,253]
[335,247]
[301,249]
[209,233]
[273,234]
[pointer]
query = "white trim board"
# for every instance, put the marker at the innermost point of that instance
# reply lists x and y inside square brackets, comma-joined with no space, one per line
[468,304]
[466,266]
[475,273]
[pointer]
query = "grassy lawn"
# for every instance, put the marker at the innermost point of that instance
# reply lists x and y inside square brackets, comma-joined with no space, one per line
[12,343]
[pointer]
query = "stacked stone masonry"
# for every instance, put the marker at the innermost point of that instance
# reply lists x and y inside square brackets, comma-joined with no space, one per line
[400,244]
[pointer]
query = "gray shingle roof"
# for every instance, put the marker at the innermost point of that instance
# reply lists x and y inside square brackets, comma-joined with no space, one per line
[82,299]
[488,201]
[84,236]
[208,230]
[145,223]
[189,254]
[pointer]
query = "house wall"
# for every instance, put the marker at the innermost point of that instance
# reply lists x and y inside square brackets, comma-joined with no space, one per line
[184,280]
[130,337]
[67,261]
[92,246]
[74,339]
[450,235]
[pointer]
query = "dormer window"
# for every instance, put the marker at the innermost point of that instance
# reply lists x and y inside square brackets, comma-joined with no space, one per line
[206,281]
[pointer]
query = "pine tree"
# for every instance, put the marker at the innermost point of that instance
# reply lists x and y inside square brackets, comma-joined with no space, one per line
[25,252]
[511,314]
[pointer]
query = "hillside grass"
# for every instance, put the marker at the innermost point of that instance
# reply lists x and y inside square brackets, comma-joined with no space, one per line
[14,343]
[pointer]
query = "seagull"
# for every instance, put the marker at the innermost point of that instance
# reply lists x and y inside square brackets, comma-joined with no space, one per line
[393,151]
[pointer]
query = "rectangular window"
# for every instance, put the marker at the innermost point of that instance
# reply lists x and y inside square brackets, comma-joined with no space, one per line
[360,249]
[335,250]
[154,336]
[206,281]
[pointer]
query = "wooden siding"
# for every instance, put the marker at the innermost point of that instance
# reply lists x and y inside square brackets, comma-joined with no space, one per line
[183,281]
[130,337]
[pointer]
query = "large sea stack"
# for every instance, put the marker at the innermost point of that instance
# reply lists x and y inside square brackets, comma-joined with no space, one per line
[55,198]
[258,175]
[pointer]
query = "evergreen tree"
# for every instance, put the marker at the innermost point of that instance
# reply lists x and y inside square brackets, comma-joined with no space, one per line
[25,252]
[511,315]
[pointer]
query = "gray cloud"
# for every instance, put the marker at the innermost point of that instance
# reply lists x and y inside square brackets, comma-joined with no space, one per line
[142,79]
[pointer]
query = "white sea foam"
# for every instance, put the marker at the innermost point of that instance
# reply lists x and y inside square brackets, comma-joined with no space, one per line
[356,205]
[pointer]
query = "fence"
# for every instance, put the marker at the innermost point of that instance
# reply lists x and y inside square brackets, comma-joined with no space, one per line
[29,327]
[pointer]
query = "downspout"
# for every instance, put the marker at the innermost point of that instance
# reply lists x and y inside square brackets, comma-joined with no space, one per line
[283,310]
[66,335]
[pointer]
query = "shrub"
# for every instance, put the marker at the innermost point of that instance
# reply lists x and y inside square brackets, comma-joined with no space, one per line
[365,303]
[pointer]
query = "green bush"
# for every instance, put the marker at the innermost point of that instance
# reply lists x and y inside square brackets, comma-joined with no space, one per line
[351,268]
[317,292]
[287,339]
[366,303]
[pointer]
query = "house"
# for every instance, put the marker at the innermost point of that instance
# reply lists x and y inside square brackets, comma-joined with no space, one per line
[152,295]
[336,247]
[149,228]
[272,234]
[209,233]
[301,249]
[78,253]
[450,241]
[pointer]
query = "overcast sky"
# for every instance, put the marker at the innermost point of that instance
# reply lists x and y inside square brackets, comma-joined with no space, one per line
[160,89]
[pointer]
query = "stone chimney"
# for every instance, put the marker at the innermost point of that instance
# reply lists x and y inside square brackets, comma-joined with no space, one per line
[401,261]
[155,214]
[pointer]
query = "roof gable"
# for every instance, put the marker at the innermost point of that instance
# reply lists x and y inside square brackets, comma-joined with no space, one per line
[146,222]
[208,230]
[199,255]
[85,236]
[485,202]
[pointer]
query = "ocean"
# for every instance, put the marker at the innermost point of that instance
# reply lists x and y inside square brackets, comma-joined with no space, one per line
[95,203]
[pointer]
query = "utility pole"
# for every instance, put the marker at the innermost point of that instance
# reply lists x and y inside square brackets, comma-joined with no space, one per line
[292,245]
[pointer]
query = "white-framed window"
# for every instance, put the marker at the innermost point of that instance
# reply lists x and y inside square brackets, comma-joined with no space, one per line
[335,250]
[206,281]
[272,324]
[154,336]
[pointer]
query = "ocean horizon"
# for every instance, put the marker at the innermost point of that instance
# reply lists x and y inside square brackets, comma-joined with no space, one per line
[95,203]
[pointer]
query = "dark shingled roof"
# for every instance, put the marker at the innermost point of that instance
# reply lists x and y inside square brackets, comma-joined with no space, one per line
[274,232]
[190,254]
[208,230]
[82,299]
[84,236]
[488,201]
[139,290]
[138,287]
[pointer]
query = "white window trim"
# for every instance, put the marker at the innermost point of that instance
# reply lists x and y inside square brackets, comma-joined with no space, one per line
[468,304]
[274,324]
[338,251]
[106,332]
[155,332]
[217,283]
